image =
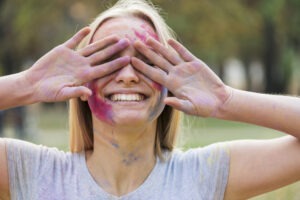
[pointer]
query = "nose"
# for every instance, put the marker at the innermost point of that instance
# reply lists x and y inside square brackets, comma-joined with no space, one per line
[127,75]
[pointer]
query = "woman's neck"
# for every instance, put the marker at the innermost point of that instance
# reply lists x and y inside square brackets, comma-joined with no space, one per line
[123,156]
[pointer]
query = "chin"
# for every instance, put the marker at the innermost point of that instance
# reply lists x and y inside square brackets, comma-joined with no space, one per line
[131,120]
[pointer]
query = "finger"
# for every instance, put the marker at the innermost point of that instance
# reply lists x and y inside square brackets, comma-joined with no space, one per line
[109,67]
[181,50]
[171,56]
[74,92]
[108,52]
[96,46]
[150,72]
[182,105]
[77,38]
[157,60]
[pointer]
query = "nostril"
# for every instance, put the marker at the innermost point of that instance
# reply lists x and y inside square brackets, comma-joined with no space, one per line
[127,75]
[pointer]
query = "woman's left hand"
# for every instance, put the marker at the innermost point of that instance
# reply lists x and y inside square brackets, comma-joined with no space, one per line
[196,88]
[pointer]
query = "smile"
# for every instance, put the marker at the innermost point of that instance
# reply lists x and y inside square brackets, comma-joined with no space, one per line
[126,97]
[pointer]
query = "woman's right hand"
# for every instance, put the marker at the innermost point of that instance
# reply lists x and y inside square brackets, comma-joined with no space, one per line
[61,74]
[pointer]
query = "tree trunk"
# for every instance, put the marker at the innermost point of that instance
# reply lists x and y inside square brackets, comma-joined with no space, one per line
[274,75]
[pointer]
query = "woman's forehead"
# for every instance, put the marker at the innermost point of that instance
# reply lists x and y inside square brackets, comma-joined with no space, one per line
[126,27]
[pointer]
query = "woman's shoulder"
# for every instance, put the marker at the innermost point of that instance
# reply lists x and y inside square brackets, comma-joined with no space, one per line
[208,158]
[203,170]
[19,149]
[216,150]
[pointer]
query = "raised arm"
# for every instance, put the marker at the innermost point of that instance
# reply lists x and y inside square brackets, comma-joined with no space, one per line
[255,166]
[274,111]
[62,73]
[58,76]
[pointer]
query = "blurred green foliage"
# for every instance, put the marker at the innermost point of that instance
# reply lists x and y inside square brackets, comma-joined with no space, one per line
[214,30]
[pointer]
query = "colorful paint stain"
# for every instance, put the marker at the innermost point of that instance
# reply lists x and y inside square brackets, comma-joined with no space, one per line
[130,159]
[99,107]
[141,36]
[159,104]
[147,31]
[157,86]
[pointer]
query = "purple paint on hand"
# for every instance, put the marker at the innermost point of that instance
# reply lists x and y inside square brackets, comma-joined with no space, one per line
[99,107]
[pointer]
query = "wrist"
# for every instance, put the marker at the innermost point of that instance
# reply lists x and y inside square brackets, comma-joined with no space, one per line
[27,93]
[223,109]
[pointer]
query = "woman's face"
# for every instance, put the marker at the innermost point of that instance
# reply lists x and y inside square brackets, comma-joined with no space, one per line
[126,97]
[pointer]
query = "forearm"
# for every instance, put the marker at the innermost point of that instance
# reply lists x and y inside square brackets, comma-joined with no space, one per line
[15,91]
[273,111]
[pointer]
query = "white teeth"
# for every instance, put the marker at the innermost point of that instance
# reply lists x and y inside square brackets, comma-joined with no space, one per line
[126,97]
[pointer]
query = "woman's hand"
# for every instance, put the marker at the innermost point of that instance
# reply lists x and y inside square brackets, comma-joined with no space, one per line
[62,73]
[196,88]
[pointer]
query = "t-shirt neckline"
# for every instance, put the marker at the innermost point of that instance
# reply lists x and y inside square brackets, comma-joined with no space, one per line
[147,185]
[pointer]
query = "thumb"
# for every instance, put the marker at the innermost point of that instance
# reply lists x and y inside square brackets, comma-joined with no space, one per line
[77,38]
[73,92]
[182,105]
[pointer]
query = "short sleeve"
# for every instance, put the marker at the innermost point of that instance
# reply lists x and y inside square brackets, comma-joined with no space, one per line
[210,166]
[26,162]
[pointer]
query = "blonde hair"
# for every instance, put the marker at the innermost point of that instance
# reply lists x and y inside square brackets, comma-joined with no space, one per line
[80,119]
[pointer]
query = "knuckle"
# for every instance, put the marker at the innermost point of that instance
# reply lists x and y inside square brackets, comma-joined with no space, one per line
[60,49]
[194,66]
[162,49]
[110,51]
[96,58]
[87,50]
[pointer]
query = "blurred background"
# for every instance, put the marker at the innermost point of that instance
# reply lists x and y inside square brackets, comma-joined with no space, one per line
[251,44]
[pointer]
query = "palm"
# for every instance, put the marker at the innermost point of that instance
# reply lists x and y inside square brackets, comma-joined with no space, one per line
[62,73]
[196,88]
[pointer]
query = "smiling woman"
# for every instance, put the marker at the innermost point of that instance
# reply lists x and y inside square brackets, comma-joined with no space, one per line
[132,20]
[127,82]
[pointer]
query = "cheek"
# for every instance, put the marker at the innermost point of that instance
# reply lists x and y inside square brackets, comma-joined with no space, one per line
[157,86]
[98,106]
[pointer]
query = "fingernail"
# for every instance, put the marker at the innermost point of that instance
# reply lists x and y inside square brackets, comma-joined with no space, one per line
[123,42]
[127,58]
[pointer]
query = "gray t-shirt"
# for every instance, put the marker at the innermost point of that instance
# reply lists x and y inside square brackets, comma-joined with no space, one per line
[41,173]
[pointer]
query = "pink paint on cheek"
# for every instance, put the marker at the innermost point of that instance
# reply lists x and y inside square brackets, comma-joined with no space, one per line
[99,107]
[157,86]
